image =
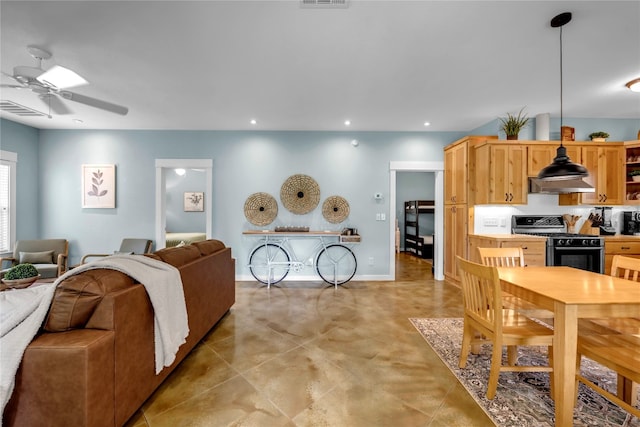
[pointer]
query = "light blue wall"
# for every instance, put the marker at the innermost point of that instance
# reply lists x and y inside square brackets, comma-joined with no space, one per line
[618,129]
[243,163]
[23,140]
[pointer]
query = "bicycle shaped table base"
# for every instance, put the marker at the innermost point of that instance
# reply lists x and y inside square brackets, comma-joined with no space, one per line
[273,258]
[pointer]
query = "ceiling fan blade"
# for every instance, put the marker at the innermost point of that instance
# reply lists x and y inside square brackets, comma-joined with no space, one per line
[93,102]
[55,104]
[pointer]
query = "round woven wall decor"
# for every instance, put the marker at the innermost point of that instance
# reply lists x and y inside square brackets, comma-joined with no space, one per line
[335,209]
[260,208]
[300,194]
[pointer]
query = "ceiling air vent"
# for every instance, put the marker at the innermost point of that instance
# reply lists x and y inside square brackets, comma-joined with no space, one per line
[325,4]
[20,110]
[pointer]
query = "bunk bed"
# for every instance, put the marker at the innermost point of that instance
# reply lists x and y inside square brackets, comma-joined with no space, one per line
[419,214]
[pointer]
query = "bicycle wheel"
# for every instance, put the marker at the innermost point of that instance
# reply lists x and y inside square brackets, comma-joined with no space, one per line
[336,264]
[269,263]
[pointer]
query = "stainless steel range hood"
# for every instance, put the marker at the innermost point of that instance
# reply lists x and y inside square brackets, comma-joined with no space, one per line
[559,186]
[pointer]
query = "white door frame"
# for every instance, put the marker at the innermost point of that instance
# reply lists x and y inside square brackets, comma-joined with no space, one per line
[438,249]
[162,166]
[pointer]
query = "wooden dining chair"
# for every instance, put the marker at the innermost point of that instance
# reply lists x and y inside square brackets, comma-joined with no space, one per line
[485,316]
[620,353]
[626,268]
[512,257]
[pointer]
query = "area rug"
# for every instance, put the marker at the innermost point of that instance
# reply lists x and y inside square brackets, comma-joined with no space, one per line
[523,398]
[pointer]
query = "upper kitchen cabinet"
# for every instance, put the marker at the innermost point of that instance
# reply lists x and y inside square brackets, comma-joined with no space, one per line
[455,176]
[500,174]
[632,181]
[606,165]
[540,155]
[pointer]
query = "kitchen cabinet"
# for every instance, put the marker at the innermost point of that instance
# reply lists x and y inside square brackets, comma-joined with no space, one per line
[458,200]
[455,175]
[533,247]
[456,221]
[540,156]
[632,164]
[501,174]
[620,245]
[604,164]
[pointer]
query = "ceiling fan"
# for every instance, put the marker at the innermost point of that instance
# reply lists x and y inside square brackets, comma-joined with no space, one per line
[50,85]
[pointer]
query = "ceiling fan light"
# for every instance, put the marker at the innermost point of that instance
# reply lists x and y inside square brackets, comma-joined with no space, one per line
[60,77]
[634,85]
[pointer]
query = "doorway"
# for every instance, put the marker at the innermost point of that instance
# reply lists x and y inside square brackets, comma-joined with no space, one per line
[438,169]
[164,167]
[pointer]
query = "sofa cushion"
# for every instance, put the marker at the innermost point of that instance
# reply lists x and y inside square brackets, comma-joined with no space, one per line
[44,257]
[208,247]
[178,257]
[77,297]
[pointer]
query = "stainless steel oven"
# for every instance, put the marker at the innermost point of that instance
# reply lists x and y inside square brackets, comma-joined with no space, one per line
[582,251]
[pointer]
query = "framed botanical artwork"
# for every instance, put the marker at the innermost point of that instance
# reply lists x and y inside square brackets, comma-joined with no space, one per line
[194,201]
[99,186]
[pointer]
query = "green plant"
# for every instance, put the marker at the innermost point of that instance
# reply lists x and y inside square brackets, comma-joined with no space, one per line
[599,134]
[512,125]
[634,172]
[21,271]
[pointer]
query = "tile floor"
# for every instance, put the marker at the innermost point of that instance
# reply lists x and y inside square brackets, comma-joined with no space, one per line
[305,354]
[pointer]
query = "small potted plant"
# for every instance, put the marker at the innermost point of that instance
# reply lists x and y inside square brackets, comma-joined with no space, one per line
[512,125]
[599,136]
[21,275]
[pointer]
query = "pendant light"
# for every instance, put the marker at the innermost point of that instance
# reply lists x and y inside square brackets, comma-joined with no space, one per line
[562,167]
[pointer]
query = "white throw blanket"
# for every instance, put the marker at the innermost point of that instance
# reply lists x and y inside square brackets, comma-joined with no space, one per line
[22,312]
[164,286]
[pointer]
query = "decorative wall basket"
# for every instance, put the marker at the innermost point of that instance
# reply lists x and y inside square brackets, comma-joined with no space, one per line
[260,209]
[335,209]
[300,194]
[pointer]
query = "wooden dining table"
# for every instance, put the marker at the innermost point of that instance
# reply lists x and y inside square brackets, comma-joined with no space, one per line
[571,294]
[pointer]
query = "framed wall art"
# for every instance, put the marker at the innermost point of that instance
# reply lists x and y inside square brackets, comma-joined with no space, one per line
[194,201]
[99,186]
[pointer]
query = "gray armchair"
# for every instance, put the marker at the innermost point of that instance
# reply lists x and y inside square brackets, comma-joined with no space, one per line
[128,246]
[48,256]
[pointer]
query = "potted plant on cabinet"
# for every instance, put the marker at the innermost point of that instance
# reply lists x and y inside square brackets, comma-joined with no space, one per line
[635,175]
[599,136]
[512,125]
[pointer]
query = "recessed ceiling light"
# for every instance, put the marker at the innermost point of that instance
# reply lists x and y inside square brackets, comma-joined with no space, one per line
[253,121]
[427,124]
[347,122]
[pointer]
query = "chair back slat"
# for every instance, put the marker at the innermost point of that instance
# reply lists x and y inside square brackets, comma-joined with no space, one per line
[481,294]
[626,267]
[502,257]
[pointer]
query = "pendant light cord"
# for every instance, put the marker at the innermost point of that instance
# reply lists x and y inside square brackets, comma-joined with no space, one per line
[561,115]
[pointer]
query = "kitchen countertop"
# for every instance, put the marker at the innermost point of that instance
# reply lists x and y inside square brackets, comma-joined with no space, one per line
[621,237]
[511,237]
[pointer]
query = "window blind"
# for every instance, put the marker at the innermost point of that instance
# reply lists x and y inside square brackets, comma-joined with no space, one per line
[4,207]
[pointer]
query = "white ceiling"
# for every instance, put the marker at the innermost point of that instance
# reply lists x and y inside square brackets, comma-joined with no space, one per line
[385,65]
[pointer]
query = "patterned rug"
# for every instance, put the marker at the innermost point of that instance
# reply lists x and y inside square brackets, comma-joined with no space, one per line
[523,398]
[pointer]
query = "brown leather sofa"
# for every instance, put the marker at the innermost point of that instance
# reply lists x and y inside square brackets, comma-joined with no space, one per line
[93,363]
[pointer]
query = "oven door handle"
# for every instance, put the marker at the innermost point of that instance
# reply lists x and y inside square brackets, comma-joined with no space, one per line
[577,248]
